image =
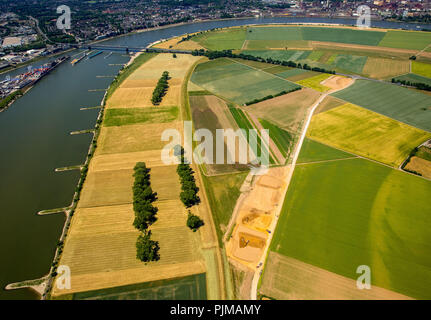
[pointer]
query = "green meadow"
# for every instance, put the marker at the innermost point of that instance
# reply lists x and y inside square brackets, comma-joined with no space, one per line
[126,116]
[232,38]
[406,40]
[342,214]
[313,151]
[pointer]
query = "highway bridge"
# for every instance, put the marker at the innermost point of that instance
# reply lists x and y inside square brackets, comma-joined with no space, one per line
[129,49]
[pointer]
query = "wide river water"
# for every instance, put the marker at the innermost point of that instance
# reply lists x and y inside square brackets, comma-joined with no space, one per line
[35,139]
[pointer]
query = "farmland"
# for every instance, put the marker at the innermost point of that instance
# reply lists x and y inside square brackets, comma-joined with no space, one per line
[315,82]
[343,35]
[101,246]
[366,133]
[313,151]
[351,223]
[414,78]
[222,39]
[287,111]
[399,103]
[385,68]
[421,68]
[406,40]
[238,82]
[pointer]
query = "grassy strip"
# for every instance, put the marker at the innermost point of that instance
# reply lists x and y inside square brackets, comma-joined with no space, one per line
[200,93]
[127,71]
[127,116]
[281,138]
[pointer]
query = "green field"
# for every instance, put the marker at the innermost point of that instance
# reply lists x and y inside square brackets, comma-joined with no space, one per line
[222,39]
[283,55]
[342,35]
[366,133]
[126,116]
[313,151]
[360,213]
[399,103]
[282,138]
[406,40]
[414,78]
[223,192]
[292,73]
[238,82]
[187,288]
[243,123]
[421,68]
[424,153]
[315,82]
[349,62]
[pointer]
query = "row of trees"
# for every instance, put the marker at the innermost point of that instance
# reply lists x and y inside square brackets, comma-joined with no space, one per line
[189,194]
[228,54]
[145,213]
[160,89]
[272,96]
[419,85]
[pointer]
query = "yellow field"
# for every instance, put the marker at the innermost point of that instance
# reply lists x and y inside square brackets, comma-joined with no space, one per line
[133,138]
[315,82]
[141,97]
[420,68]
[365,133]
[286,278]
[385,68]
[100,247]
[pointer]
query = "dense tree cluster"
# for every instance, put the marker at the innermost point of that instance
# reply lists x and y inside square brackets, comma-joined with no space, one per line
[228,54]
[160,89]
[189,194]
[194,222]
[419,85]
[145,213]
[273,96]
[147,249]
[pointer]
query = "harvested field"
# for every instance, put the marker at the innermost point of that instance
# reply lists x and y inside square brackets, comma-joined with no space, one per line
[133,138]
[366,133]
[287,111]
[385,68]
[290,279]
[141,97]
[238,82]
[421,166]
[402,104]
[175,44]
[351,223]
[101,246]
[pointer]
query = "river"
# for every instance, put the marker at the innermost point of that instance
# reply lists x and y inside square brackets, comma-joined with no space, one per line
[35,139]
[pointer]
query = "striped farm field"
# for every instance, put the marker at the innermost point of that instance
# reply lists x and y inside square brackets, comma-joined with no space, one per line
[343,35]
[100,248]
[385,68]
[414,78]
[402,104]
[361,213]
[282,138]
[366,133]
[406,40]
[238,82]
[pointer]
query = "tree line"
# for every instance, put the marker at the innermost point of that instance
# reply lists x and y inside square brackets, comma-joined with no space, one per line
[189,194]
[418,85]
[160,89]
[272,96]
[228,54]
[145,213]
